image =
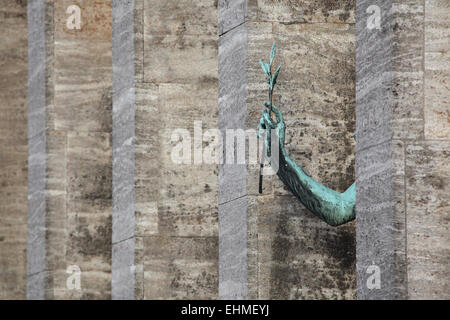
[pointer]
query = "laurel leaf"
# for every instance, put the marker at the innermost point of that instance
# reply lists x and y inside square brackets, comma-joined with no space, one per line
[272,53]
[275,75]
[265,68]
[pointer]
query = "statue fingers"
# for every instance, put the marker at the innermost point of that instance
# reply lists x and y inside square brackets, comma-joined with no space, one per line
[277,112]
[268,120]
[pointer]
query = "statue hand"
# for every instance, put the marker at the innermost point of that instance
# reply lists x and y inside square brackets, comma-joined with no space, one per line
[266,123]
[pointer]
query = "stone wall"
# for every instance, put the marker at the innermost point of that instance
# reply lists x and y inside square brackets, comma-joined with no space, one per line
[175,205]
[13,149]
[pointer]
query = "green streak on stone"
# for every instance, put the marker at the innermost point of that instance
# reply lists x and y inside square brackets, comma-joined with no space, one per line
[333,207]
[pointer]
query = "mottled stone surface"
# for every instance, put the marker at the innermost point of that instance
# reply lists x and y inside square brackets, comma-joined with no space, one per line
[437,70]
[88,206]
[427,175]
[232,107]
[165,61]
[180,42]
[252,248]
[186,211]
[13,149]
[96,20]
[123,42]
[373,77]
[147,162]
[316,95]
[90,105]
[317,103]
[299,256]
[233,249]
[380,220]
[259,41]
[380,207]
[123,165]
[180,267]
[402,182]
[407,67]
[180,58]
[147,175]
[302,11]
[79,150]
[36,152]
[231,13]
[180,17]
[123,270]
[427,171]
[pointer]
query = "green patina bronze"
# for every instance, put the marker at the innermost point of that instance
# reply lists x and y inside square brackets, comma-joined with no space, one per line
[333,207]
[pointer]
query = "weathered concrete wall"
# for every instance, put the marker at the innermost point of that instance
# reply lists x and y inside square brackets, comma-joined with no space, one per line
[427,169]
[158,219]
[13,149]
[36,250]
[233,261]
[176,248]
[402,150]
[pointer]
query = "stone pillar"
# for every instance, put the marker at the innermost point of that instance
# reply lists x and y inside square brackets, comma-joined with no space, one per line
[232,177]
[402,142]
[108,107]
[36,249]
[13,149]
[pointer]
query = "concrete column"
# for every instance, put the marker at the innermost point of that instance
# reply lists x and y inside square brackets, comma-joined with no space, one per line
[402,181]
[380,224]
[176,246]
[232,177]
[123,223]
[13,149]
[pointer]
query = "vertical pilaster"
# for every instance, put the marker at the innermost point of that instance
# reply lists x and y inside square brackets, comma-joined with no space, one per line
[232,177]
[176,248]
[36,248]
[123,223]
[380,206]
[70,153]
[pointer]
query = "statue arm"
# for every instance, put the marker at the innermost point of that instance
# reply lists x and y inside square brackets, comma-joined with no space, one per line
[333,207]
